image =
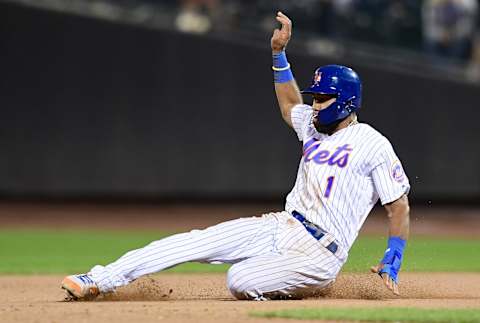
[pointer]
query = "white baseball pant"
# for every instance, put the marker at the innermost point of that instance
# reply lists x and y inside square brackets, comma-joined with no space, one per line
[273,256]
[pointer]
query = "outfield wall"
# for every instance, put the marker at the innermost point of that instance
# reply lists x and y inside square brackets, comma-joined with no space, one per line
[93,108]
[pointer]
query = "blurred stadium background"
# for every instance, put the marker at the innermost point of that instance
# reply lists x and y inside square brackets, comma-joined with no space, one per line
[173,100]
[125,121]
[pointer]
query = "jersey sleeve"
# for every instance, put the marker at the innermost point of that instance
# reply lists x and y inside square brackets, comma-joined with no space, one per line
[301,115]
[388,175]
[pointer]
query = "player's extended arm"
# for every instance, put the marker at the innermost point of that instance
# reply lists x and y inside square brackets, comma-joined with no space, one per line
[288,94]
[399,228]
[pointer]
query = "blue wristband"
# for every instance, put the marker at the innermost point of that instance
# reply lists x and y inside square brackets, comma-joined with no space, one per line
[281,68]
[392,259]
[280,60]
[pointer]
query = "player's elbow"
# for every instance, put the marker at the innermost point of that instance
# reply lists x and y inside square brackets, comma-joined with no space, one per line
[399,217]
[286,115]
[399,208]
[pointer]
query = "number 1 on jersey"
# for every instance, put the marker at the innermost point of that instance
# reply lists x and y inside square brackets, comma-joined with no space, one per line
[329,186]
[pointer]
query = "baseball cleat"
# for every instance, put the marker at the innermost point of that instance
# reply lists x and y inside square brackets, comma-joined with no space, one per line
[80,287]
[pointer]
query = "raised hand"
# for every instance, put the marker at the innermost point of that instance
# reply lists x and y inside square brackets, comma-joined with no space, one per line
[281,36]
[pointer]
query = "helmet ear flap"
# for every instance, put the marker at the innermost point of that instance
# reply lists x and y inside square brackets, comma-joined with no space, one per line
[349,105]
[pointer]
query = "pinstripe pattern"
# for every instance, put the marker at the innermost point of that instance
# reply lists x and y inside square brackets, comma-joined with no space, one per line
[355,188]
[274,256]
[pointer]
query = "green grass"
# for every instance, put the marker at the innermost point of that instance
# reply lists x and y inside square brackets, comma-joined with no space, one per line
[422,254]
[379,315]
[48,251]
[74,251]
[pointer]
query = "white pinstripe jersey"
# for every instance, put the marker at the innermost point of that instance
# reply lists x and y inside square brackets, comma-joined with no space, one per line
[341,177]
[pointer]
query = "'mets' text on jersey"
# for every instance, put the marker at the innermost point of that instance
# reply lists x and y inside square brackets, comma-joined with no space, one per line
[341,177]
[312,151]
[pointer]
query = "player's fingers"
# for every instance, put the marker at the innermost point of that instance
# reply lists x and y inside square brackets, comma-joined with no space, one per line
[387,281]
[376,269]
[286,23]
[395,288]
[281,14]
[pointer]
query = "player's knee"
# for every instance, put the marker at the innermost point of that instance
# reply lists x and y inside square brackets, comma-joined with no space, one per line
[240,284]
[233,283]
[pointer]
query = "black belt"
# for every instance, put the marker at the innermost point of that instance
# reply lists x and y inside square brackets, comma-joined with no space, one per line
[317,232]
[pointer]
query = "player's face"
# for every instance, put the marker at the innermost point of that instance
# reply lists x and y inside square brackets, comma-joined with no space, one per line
[320,102]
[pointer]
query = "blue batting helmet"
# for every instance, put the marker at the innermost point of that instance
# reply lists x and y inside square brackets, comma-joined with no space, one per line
[341,82]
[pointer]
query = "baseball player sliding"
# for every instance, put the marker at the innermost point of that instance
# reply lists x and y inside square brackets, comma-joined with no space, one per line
[345,168]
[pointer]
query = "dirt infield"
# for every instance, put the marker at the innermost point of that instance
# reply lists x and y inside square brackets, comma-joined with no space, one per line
[204,298]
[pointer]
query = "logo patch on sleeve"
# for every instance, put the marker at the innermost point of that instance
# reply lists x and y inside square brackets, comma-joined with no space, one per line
[397,171]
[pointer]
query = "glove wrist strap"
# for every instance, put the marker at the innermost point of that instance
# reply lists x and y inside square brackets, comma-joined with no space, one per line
[395,248]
